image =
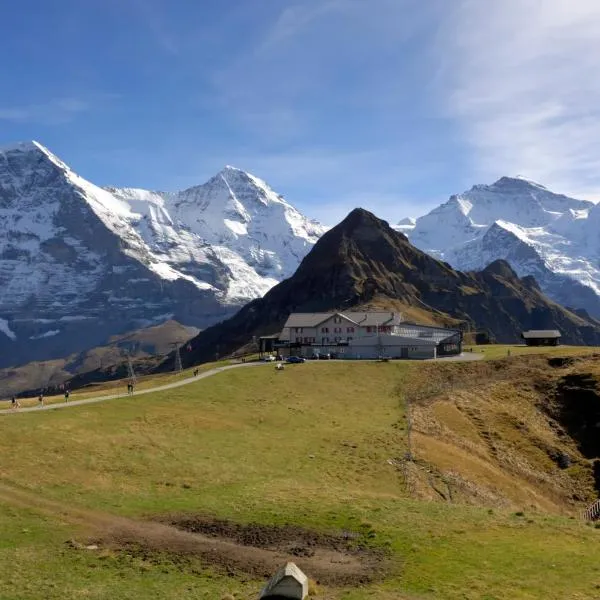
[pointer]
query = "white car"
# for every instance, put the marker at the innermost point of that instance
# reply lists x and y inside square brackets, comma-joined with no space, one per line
[269,359]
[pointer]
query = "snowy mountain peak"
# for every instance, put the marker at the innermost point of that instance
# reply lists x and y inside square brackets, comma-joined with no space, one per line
[132,257]
[32,147]
[550,236]
[518,181]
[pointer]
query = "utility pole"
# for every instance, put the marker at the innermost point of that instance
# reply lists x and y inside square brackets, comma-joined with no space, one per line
[178,365]
[130,371]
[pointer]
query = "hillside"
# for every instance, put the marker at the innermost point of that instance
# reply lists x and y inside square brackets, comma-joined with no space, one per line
[506,433]
[213,485]
[145,346]
[363,261]
[79,263]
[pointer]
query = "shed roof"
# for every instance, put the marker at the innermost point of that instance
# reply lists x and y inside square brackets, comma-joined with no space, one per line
[541,333]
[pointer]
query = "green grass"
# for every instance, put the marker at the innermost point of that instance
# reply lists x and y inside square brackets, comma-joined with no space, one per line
[493,351]
[308,446]
[119,386]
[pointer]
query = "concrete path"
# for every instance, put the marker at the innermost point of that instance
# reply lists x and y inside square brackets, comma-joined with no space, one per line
[168,386]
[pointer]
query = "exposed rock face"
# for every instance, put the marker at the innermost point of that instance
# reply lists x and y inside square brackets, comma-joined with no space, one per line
[363,259]
[79,264]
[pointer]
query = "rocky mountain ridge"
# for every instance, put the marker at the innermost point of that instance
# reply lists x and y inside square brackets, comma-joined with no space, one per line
[79,263]
[364,262]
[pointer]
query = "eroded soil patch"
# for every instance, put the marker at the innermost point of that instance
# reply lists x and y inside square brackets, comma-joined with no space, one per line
[254,549]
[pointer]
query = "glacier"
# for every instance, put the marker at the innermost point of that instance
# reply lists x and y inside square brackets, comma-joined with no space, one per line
[100,261]
[551,236]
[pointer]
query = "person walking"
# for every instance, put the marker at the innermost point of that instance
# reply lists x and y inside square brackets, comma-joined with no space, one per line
[14,402]
[67,394]
[41,399]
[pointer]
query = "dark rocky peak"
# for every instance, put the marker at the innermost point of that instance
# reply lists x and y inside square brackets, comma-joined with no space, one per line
[500,268]
[530,282]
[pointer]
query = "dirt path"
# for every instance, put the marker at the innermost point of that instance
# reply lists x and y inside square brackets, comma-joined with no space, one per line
[160,388]
[328,562]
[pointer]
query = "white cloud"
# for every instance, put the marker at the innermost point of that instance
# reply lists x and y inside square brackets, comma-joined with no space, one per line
[524,77]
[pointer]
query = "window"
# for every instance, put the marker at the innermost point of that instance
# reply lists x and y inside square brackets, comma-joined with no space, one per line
[298,329]
[298,340]
[349,329]
[369,328]
[326,340]
[337,319]
[349,339]
[324,329]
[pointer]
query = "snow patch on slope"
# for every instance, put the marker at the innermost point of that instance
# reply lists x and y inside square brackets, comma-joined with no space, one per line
[6,330]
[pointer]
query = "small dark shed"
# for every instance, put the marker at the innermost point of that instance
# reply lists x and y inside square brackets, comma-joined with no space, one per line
[541,337]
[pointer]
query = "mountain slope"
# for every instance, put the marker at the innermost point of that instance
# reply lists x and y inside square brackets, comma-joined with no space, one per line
[364,261]
[79,263]
[547,235]
[145,346]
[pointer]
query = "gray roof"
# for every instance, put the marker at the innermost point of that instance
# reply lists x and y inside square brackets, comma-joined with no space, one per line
[359,318]
[366,319]
[426,332]
[392,340]
[541,333]
[306,319]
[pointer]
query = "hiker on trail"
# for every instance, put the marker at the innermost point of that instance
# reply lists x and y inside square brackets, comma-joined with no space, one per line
[41,399]
[67,394]
[129,389]
[14,402]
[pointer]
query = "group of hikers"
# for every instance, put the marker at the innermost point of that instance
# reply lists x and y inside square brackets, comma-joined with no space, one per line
[16,403]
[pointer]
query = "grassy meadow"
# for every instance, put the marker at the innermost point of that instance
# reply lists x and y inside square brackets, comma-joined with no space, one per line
[316,445]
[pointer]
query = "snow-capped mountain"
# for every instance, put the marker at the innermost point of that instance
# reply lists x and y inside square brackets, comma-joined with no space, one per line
[79,263]
[550,236]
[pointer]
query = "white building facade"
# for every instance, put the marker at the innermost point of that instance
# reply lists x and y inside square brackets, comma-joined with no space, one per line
[366,335]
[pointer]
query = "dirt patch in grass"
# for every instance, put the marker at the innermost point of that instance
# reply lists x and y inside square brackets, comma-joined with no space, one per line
[254,549]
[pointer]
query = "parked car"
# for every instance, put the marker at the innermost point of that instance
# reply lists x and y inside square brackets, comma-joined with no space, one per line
[325,356]
[269,358]
[296,359]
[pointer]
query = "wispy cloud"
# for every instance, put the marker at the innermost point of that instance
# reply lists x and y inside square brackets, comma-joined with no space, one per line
[54,112]
[152,15]
[524,81]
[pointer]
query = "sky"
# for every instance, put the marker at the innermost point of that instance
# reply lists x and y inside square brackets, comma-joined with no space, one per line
[392,105]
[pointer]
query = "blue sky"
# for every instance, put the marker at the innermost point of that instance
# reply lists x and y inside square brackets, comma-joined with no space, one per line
[392,105]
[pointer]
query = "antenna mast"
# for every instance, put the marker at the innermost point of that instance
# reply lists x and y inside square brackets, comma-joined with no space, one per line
[178,365]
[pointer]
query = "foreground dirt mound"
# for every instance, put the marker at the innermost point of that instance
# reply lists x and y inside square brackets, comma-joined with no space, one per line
[254,550]
[257,549]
